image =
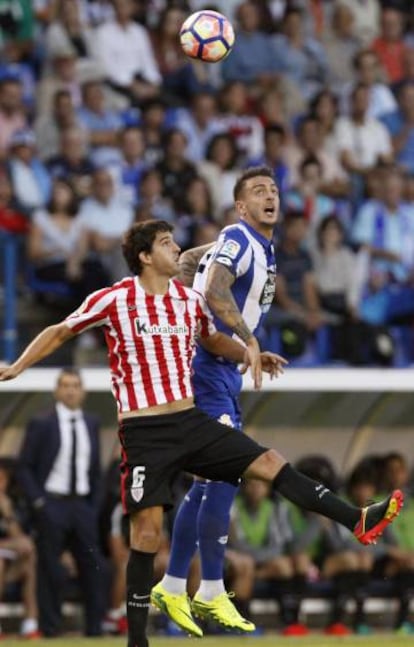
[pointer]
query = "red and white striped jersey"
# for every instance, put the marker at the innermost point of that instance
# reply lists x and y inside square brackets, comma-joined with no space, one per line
[150,339]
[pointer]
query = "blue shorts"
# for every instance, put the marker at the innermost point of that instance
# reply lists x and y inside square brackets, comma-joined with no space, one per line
[218,400]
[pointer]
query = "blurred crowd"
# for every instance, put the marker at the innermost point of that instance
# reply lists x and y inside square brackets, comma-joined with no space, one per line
[104,121]
[61,544]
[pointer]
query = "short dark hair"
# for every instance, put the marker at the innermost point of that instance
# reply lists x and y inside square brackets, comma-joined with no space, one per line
[274,129]
[247,174]
[310,160]
[140,238]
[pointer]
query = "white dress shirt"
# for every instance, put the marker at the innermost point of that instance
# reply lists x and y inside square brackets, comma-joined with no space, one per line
[125,52]
[58,481]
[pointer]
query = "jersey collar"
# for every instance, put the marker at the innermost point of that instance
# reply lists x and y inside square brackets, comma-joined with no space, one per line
[267,244]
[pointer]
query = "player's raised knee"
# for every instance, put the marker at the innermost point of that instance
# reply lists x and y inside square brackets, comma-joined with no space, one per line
[266,466]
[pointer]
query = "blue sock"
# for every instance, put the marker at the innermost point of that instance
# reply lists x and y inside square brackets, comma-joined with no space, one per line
[213,527]
[184,539]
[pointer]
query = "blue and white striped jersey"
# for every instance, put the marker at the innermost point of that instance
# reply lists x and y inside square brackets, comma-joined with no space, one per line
[251,258]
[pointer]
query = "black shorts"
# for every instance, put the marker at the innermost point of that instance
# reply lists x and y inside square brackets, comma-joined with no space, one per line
[156,448]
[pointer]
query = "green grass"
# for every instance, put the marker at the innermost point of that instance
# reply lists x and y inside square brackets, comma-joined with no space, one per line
[316,640]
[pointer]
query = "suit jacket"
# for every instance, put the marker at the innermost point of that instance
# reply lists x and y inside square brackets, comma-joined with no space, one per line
[39,451]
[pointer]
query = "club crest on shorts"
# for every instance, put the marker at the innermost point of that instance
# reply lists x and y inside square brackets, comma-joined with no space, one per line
[225,419]
[137,493]
[137,487]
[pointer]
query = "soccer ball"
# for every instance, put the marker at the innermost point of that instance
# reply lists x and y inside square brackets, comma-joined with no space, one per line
[207,35]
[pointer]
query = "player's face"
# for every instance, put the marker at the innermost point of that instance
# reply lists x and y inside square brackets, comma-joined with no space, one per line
[165,254]
[70,391]
[259,204]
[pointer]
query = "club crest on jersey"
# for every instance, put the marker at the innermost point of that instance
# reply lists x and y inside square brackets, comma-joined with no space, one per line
[144,328]
[225,419]
[230,249]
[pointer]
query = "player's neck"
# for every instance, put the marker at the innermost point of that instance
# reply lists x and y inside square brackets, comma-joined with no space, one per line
[154,284]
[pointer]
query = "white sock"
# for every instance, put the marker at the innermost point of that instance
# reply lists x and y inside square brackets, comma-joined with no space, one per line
[28,626]
[174,585]
[210,589]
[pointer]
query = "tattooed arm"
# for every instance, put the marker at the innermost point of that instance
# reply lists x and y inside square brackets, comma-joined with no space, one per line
[188,263]
[221,302]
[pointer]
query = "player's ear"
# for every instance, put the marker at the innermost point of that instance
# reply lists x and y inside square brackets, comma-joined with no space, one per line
[145,258]
[240,207]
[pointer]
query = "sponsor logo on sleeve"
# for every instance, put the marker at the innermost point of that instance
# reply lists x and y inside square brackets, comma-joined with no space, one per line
[230,248]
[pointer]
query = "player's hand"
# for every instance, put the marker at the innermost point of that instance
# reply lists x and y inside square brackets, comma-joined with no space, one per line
[273,364]
[252,360]
[8,372]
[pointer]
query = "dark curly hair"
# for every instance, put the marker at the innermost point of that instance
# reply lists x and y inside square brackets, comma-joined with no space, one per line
[140,238]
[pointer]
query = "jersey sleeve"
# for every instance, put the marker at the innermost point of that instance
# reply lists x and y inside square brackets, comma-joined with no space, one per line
[206,326]
[92,312]
[233,251]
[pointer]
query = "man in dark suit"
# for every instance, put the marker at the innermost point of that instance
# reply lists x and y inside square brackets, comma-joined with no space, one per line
[60,474]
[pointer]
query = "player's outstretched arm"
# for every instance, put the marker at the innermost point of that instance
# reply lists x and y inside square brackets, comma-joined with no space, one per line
[220,300]
[220,344]
[43,345]
[188,263]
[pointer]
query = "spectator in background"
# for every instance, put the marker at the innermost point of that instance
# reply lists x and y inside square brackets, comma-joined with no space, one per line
[385,230]
[17,555]
[153,124]
[150,197]
[368,72]
[64,75]
[101,123]
[237,120]
[29,177]
[324,107]
[362,141]
[300,58]
[341,45]
[401,555]
[400,125]
[349,569]
[272,109]
[310,141]
[106,218]
[389,45]
[182,78]
[12,220]
[48,128]
[68,31]
[366,18]
[60,475]
[72,162]
[274,141]
[306,196]
[258,71]
[17,28]
[12,113]
[339,290]
[199,124]
[297,307]
[194,213]
[260,528]
[58,246]
[175,168]
[220,170]
[130,164]
[123,49]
